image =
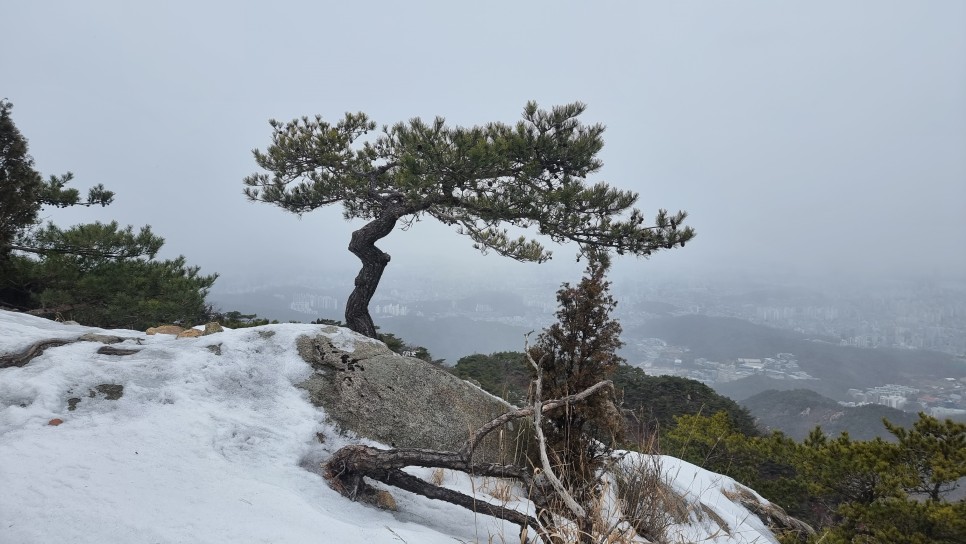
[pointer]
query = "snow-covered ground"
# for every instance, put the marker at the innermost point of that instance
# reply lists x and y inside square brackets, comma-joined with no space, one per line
[220,448]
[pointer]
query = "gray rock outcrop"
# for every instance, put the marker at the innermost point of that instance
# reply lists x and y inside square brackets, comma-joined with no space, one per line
[402,401]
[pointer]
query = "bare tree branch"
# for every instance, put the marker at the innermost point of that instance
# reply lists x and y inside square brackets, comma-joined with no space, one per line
[349,466]
[547,405]
[558,486]
[34,350]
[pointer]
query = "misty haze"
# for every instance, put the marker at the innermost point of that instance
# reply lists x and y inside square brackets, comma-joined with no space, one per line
[817,150]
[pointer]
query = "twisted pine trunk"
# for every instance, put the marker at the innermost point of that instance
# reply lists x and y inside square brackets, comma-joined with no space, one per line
[374,261]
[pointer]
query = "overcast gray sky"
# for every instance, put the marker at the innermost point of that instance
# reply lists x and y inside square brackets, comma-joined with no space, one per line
[826,136]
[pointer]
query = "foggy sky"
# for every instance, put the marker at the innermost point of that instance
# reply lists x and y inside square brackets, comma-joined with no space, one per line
[827,137]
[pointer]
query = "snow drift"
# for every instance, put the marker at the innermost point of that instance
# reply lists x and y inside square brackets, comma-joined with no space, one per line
[208,440]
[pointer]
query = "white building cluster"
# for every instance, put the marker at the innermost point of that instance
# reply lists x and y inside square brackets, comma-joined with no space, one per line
[783,366]
[892,395]
[308,303]
[394,310]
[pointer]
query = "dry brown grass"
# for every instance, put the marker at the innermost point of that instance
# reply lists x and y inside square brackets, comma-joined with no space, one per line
[437,477]
[502,492]
[716,518]
[648,503]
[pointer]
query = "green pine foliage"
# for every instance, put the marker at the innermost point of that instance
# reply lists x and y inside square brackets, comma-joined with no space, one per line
[654,402]
[528,174]
[480,180]
[20,184]
[936,451]
[99,274]
[878,491]
[133,292]
[868,491]
[23,191]
[842,470]
[899,520]
[505,374]
[105,276]
[764,463]
[236,320]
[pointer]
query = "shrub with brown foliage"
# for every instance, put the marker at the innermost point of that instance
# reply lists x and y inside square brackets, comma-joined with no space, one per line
[575,353]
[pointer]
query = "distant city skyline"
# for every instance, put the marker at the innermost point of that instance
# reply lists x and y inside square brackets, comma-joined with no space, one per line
[896,314]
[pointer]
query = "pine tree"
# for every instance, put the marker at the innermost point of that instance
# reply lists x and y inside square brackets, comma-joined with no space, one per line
[936,451]
[476,179]
[842,470]
[98,273]
[20,184]
[23,191]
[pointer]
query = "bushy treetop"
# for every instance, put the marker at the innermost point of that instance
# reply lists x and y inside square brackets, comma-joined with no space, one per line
[531,174]
[480,179]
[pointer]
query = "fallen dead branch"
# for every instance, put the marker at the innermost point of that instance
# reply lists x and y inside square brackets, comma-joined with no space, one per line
[34,350]
[347,469]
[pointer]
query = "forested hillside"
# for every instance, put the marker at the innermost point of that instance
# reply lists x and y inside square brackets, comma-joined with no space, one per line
[838,368]
[650,403]
[797,412]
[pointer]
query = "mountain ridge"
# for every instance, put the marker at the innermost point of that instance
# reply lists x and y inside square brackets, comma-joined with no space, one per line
[796,412]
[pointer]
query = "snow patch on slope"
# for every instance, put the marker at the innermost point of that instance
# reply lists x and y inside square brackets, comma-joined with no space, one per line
[212,448]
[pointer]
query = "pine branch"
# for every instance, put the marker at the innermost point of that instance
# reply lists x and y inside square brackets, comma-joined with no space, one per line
[77,251]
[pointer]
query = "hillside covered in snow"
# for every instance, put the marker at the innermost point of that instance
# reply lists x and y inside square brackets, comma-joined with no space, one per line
[122,437]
